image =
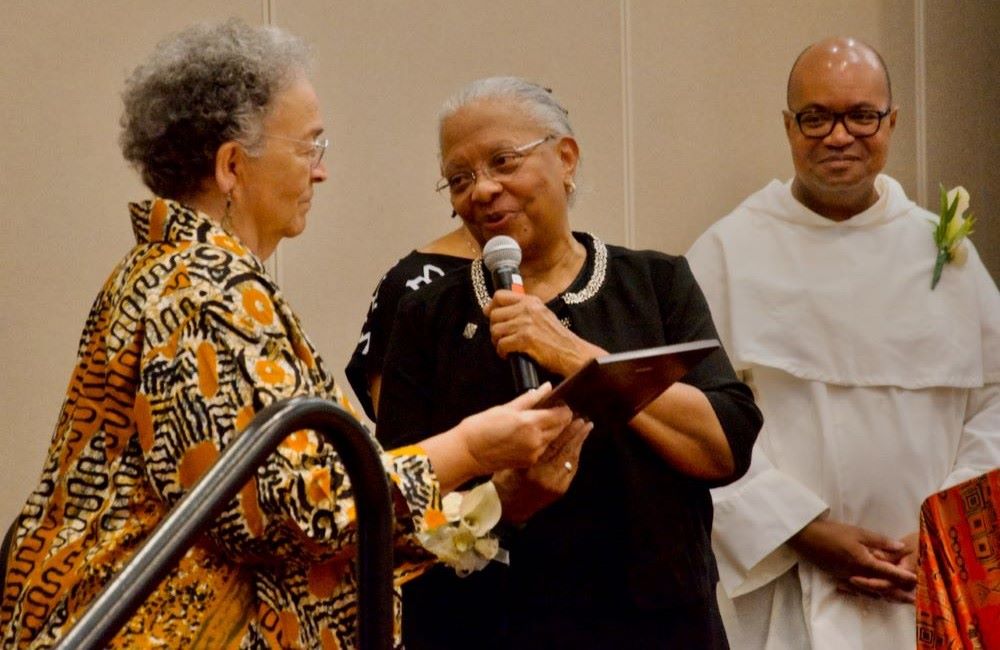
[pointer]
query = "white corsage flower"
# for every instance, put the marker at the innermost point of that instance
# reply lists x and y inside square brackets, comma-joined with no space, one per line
[952,229]
[459,534]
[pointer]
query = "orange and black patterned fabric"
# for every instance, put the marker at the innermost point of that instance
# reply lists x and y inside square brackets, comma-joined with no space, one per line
[188,339]
[958,590]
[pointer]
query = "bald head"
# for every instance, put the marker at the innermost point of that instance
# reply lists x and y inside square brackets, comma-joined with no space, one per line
[833,54]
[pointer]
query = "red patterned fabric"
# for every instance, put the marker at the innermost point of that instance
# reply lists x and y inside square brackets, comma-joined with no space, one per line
[958,593]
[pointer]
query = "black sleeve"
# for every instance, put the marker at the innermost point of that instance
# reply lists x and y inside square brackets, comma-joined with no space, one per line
[686,317]
[409,274]
[404,414]
[369,354]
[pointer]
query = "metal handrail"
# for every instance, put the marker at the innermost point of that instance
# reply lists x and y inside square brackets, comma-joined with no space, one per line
[199,508]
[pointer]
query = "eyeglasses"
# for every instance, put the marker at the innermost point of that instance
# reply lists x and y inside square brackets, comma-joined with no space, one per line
[859,122]
[501,166]
[316,148]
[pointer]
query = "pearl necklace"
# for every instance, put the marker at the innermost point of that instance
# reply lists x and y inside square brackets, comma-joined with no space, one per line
[593,285]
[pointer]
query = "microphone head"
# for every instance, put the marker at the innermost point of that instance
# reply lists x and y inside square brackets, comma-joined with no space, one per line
[500,252]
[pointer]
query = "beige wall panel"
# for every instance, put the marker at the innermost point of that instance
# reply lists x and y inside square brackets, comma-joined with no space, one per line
[963,93]
[702,102]
[708,86]
[384,69]
[64,193]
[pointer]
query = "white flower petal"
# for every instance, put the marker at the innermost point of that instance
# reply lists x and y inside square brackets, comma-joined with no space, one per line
[469,563]
[963,199]
[441,543]
[481,508]
[487,547]
[451,506]
[464,540]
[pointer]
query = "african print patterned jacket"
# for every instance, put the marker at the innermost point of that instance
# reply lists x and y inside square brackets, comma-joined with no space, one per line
[187,340]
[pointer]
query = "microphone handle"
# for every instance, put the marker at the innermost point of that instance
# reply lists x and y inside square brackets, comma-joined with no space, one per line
[525,372]
[522,367]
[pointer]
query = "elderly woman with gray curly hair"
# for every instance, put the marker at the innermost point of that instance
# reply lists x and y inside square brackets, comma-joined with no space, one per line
[187,340]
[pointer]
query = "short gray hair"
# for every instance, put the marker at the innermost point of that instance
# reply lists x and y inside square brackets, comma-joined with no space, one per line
[201,88]
[538,101]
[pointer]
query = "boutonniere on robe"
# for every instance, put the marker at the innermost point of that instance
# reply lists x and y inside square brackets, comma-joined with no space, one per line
[953,227]
[459,533]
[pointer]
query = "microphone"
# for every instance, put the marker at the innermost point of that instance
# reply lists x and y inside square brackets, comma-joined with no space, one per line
[502,256]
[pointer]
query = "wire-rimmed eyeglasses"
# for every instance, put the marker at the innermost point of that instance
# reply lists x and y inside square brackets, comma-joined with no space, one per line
[501,166]
[317,148]
[858,122]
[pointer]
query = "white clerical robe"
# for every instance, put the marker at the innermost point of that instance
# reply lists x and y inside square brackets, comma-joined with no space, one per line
[876,392]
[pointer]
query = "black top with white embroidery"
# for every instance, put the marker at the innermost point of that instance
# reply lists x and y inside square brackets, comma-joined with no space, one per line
[632,533]
[409,274]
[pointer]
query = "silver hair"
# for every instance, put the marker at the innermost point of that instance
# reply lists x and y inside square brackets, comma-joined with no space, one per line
[539,102]
[201,88]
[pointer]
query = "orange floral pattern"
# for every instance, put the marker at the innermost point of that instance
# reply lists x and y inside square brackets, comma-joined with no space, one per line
[187,340]
[258,305]
[270,372]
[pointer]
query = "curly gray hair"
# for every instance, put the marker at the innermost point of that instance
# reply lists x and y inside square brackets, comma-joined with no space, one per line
[539,102]
[202,87]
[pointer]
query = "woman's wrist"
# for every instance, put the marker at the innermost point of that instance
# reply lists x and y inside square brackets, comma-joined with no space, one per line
[451,458]
[465,433]
[580,356]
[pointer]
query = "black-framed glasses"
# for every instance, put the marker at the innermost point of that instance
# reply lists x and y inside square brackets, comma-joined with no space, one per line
[501,166]
[317,148]
[859,122]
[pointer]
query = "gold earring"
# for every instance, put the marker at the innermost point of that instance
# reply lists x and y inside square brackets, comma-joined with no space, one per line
[570,186]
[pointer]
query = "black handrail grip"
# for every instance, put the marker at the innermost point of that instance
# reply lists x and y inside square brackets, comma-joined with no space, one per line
[212,493]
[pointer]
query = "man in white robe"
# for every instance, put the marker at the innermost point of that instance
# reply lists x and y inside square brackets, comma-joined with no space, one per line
[876,390]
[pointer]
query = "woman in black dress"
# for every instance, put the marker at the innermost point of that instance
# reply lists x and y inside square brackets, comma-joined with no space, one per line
[624,554]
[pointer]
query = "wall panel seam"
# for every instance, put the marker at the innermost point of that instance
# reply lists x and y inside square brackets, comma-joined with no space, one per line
[628,150]
[920,90]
